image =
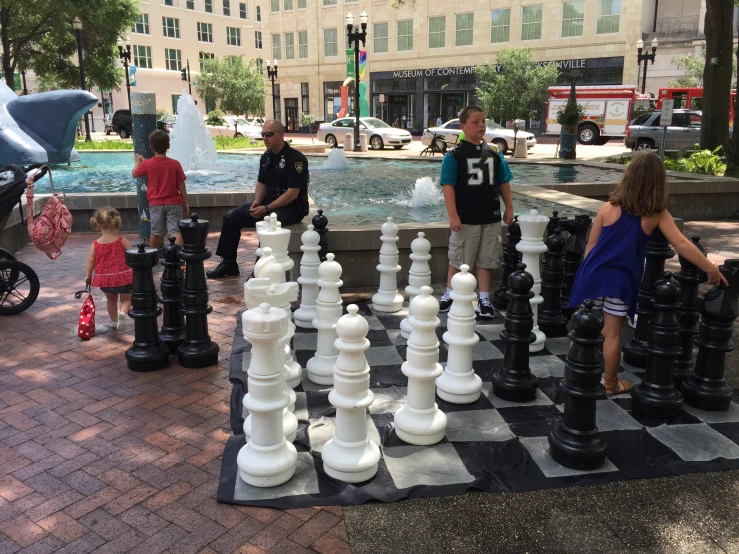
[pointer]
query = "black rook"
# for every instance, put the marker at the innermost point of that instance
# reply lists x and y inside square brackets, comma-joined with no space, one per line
[511,259]
[173,322]
[320,222]
[575,245]
[688,277]
[551,320]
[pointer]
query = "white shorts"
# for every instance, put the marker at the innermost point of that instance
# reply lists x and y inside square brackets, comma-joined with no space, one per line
[611,305]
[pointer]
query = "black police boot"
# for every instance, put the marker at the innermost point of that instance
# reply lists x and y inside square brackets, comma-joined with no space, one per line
[226,268]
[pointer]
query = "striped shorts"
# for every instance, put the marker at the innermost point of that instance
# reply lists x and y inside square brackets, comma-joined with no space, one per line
[612,306]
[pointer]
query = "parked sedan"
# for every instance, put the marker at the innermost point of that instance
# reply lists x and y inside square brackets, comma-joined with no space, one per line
[379,134]
[645,132]
[494,134]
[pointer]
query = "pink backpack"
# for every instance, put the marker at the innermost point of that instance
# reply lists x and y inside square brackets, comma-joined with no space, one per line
[48,231]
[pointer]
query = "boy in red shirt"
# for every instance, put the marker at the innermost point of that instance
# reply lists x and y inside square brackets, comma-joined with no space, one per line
[165,189]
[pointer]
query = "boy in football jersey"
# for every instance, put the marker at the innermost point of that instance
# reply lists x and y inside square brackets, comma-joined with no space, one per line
[475,177]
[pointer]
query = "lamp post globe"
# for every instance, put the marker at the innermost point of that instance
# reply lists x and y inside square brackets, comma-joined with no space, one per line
[645,57]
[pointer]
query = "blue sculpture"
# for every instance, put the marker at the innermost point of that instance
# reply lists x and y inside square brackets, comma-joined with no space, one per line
[40,128]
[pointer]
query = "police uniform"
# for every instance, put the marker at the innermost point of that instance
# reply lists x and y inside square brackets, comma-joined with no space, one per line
[278,172]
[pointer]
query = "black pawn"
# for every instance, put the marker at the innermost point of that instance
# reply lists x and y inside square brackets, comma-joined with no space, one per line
[689,277]
[551,320]
[320,222]
[173,281]
[197,350]
[147,353]
[553,222]
[658,250]
[656,396]
[706,388]
[575,245]
[511,259]
[576,442]
[514,381]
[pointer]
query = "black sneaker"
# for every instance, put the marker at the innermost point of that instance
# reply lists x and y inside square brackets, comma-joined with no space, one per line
[224,269]
[445,302]
[485,308]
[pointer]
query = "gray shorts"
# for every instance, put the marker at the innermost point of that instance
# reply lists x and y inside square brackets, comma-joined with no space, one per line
[164,219]
[476,246]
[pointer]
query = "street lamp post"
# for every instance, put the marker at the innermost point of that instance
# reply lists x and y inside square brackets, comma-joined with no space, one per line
[272,74]
[646,57]
[23,75]
[354,37]
[125,56]
[77,25]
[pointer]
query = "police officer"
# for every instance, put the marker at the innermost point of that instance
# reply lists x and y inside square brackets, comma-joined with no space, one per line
[282,188]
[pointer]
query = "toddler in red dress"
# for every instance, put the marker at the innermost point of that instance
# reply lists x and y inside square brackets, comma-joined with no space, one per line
[106,265]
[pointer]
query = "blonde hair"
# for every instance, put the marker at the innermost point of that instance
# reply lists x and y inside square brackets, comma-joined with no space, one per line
[643,186]
[105,218]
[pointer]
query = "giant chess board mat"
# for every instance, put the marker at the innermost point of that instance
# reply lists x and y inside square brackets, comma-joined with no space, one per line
[491,445]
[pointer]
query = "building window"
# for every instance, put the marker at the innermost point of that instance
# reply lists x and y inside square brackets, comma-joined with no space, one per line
[405,35]
[500,25]
[330,44]
[233,36]
[276,47]
[242,10]
[289,46]
[190,4]
[173,59]
[205,32]
[465,24]
[609,16]
[305,104]
[531,23]
[175,99]
[209,6]
[141,26]
[301,4]
[573,17]
[258,40]
[332,99]
[437,32]
[274,5]
[171,27]
[287,4]
[259,13]
[329,2]
[227,7]
[202,56]
[168,2]
[142,56]
[379,43]
[302,44]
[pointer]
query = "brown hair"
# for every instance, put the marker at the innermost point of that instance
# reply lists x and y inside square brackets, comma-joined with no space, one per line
[467,111]
[106,217]
[159,141]
[643,186]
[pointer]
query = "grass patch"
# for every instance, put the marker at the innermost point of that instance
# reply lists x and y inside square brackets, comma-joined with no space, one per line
[228,143]
[107,144]
[703,162]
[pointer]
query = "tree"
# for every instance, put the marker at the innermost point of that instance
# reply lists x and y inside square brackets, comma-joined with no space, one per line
[694,63]
[569,118]
[519,90]
[237,88]
[38,35]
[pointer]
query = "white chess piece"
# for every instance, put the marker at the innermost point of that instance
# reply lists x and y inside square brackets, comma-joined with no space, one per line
[350,456]
[272,235]
[267,459]
[258,227]
[532,247]
[328,311]
[459,384]
[308,279]
[420,421]
[418,276]
[387,299]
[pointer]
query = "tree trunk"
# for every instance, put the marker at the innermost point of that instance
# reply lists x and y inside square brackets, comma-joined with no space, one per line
[733,158]
[8,68]
[717,74]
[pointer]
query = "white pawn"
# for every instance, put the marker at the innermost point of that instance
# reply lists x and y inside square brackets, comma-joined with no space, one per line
[350,456]
[532,247]
[420,421]
[308,279]
[418,276]
[267,459]
[258,227]
[328,311]
[459,384]
[387,298]
[278,239]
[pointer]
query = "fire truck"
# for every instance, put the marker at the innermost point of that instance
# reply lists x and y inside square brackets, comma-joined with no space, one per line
[607,111]
[690,98]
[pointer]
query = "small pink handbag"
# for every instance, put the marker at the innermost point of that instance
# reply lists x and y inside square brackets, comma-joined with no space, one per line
[49,230]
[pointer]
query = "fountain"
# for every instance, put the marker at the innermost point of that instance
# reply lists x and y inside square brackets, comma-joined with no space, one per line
[192,144]
[336,160]
[426,193]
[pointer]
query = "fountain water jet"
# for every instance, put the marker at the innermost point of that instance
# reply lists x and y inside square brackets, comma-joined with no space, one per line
[192,144]
[336,160]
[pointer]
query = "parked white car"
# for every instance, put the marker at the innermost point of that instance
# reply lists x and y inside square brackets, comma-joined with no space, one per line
[236,127]
[379,134]
[495,134]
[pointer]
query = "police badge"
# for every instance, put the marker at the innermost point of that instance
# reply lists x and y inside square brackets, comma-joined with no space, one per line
[299,167]
[282,163]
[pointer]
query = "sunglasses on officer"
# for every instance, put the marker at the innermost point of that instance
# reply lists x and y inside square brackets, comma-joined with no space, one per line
[269,134]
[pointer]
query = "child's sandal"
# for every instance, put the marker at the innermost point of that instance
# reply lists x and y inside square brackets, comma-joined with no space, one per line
[616,386]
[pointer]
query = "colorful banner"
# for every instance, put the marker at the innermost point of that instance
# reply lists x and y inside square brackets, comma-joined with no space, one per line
[362,62]
[132,75]
[350,62]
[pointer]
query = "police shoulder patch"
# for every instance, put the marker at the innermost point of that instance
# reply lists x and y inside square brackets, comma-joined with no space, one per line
[299,167]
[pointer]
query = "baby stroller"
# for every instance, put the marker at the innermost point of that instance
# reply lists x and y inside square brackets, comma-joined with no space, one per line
[19,284]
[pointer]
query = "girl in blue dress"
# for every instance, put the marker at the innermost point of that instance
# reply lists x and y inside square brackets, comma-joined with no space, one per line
[616,251]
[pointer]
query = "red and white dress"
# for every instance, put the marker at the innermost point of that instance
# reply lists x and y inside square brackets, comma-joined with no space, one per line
[111,271]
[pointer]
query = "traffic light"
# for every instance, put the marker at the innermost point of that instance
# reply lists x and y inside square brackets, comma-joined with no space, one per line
[183,72]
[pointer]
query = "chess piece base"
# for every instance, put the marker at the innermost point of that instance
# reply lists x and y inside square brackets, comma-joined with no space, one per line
[267,466]
[577,451]
[459,388]
[420,427]
[148,358]
[198,356]
[350,462]
[289,425]
[666,405]
[304,318]
[405,329]
[172,340]
[321,369]
[515,390]
[538,344]
[706,395]
[553,329]
[387,303]
[293,374]
[634,354]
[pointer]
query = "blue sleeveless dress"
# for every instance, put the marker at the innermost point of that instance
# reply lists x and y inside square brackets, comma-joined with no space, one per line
[615,265]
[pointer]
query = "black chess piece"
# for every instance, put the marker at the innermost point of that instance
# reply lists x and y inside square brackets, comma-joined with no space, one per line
[514,381]
[197,350]
[658,250]
[706,388]
[320,222]
[576,442]
[554,222]
[511,259]
[551,320]
[657,396]
[575,245]
[147,353]
[688,277]
[173,281]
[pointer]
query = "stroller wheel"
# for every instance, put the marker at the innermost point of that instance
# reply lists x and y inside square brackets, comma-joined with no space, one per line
[19,287]
[5,255]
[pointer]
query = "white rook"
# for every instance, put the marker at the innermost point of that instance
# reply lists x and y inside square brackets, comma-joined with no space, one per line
[420,421]
[418,276]
[350,456]
[267,459]
[328,311]
[387,299]
[459,384]
[308,279]
[532,247]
